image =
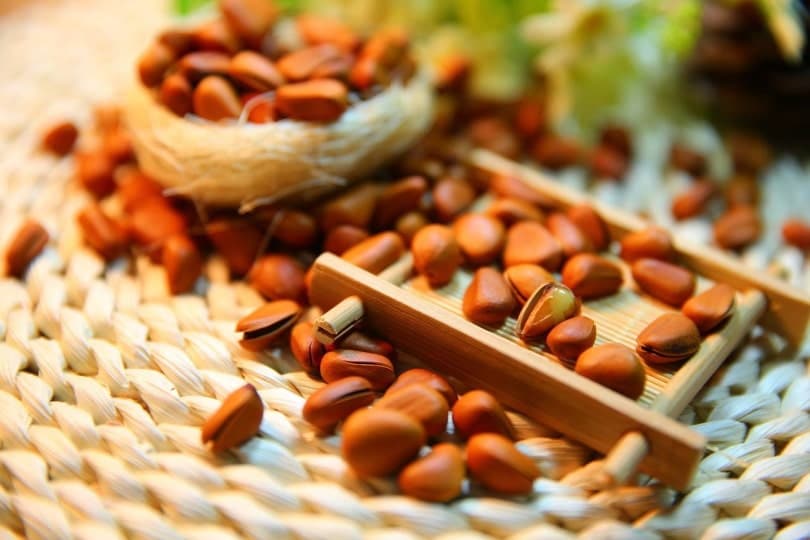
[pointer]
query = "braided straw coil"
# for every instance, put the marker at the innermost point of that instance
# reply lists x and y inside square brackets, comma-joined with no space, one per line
[245,164]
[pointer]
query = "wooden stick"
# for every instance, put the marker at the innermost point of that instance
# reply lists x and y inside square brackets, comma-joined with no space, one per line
[345,316]
[788,311]
[623,460]
[339,321]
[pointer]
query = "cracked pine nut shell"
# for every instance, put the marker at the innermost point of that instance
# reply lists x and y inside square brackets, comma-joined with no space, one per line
[436,477]
[550,305]
[711,308]
[615,366]
[378,442]
[237,420]
[266,324]
[494,461]
[488,299]
[331,404]
[30,239]
[524,279]
[59,138]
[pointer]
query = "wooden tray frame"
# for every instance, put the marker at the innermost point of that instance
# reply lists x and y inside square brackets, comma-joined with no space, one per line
[632,436]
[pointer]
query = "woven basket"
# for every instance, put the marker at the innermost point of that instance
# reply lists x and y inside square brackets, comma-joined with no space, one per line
[105,379]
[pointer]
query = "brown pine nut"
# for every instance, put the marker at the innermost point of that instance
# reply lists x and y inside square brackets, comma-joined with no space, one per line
[737,228]
[317,30]
[571,338]
[437,477]
[305,348]
[397,200]
[215,99]
[340,363]
[710,308]
[278,277]
[480,237]
[101,233]
[250,19]
[478,411]
[266,324]
[570,237]
[591,224]
[343,237]
[653,243]
[693,201]
[664,281]
[672,337]
[60,138]
[255,71]
[175,94]
[524,279]
[95,172]
[376,253]
[796,232]
[377,442]
[320,100]
[195,66]
[427,378]
[216,36]
[510,211]
[421,403]
[354,207]
[550,305]
[451,196]
[591,276]
[436,254]
[336,401]
[495,462]
[528,242]
[183,263]
[29,240]
[154,63]
[237,241]
[488,299]
[615,366]
[237,420]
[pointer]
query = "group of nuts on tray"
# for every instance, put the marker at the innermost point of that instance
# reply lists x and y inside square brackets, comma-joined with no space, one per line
[530,246]
[309,70]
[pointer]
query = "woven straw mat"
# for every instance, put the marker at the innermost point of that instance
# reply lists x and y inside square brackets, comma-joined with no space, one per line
[105,379]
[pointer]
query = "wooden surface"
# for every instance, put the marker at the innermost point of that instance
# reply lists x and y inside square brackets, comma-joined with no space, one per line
[522,379]
[788,310]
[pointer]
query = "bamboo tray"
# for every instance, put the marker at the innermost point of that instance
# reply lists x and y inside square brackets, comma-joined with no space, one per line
[427,323]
